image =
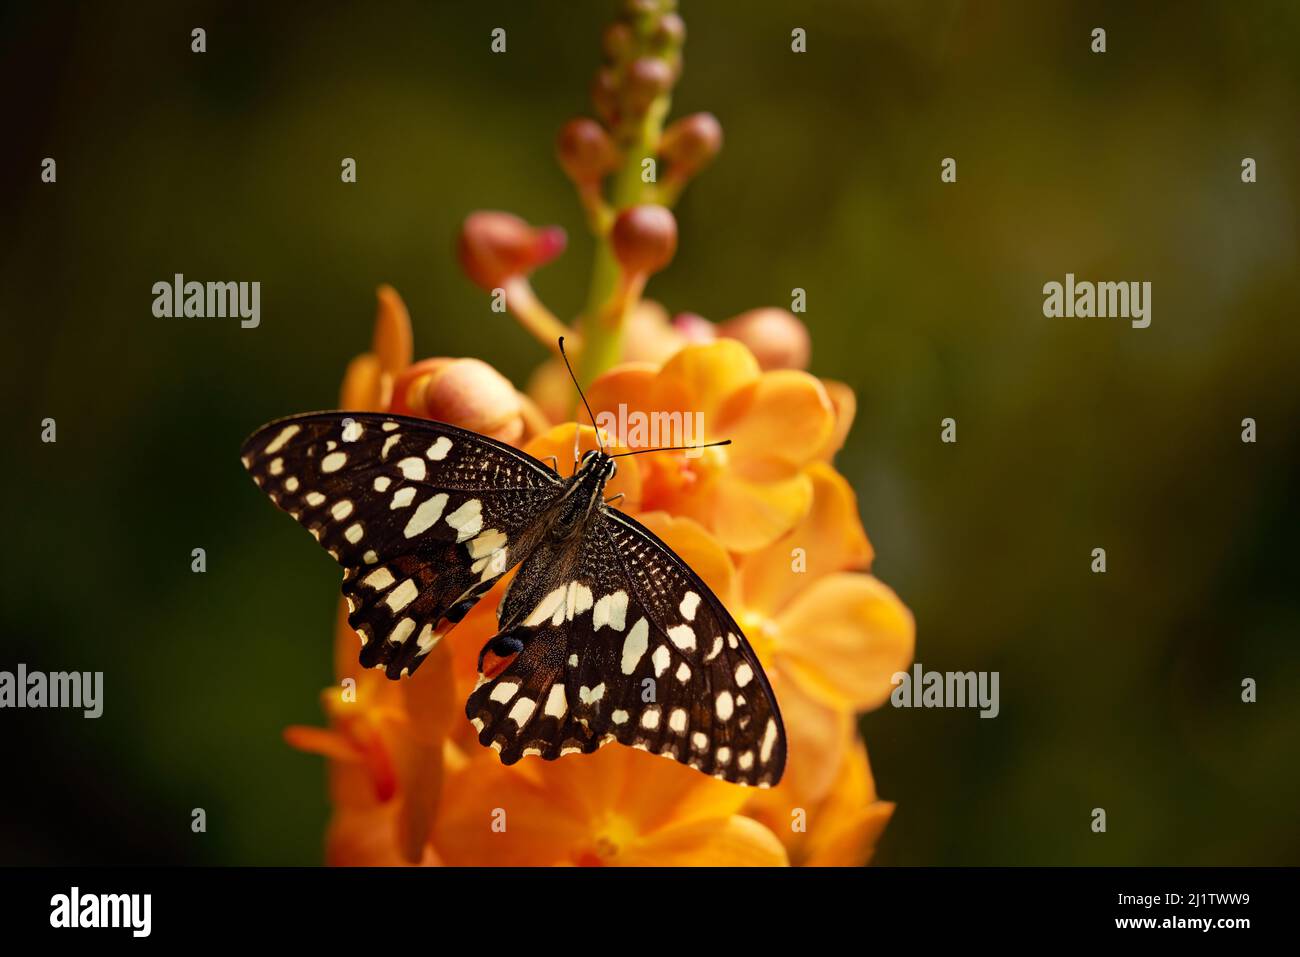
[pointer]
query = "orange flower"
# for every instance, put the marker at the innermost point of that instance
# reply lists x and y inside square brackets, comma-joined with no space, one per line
[617,807]
[753,491]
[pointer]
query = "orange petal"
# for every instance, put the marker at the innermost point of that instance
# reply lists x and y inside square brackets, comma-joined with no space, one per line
[851,820]
[846,409]
[735,841]
[816,738]
[321,741]
[710,373]
[492,815]
[363,837]
[748,507]
[393,343]
[420,772]
[784,413]
[364,385]
[844,637]
[850,841]
[829,538]
[632,383]
[645,791]
[432,706]
[429,697]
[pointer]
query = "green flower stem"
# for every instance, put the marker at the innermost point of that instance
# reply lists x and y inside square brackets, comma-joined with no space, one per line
[607,311]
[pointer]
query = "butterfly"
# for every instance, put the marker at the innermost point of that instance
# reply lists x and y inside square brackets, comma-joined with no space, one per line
[605,634]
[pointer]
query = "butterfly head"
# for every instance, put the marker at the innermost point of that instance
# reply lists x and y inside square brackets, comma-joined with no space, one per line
[596,464]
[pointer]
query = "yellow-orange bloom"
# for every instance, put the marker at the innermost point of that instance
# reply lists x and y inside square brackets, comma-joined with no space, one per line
[409,782]
[617,807]
[750,492]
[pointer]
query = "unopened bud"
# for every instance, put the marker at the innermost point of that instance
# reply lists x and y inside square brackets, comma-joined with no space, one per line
[647,78]
[641,8]
[604,96]
[671,32]
[648,336]
[617,41]
[691,143]
[776,337]
[693,327]
[495,247]
[465,392]
[644,238]
[585,150]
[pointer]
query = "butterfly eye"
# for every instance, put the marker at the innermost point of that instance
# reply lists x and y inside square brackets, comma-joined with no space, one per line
[588,456]
[613,468]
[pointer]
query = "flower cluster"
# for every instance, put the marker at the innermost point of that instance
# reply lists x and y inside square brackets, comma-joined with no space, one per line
[766,521]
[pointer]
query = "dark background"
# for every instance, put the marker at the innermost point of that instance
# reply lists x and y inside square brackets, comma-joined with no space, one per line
[1119,691]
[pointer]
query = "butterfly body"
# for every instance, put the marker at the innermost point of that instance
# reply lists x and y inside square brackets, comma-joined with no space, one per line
[604,634]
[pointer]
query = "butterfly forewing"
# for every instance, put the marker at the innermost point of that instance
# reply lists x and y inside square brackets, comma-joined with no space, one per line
[623,642]
[423,516]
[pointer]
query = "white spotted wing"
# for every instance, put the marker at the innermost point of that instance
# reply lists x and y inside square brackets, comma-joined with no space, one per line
[622,641]
[424,517]
[605,634]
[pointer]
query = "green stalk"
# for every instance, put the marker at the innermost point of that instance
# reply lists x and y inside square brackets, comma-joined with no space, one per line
[603,320]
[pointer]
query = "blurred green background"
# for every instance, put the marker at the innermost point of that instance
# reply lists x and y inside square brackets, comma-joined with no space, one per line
[1119,691]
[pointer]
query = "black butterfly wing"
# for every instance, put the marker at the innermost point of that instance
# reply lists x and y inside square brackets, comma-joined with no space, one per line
[623,642]
[424,517]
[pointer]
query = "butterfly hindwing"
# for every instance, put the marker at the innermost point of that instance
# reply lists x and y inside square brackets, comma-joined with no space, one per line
[623,642]
[423,516]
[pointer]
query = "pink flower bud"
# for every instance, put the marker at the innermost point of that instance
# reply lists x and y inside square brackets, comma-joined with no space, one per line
[644,238]
[691,143]
[465,392]
[585,151]
[617,41]
[604,96]
[647,78]
[495,247]
[648,336]
[775,336]
[693,327]
[671,31]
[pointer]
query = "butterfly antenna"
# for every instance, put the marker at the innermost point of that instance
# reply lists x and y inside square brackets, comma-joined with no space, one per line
[673,448]
[565,356]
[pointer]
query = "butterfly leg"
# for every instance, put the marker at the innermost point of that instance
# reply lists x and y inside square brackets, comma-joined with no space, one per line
[555,463]
[615,498]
